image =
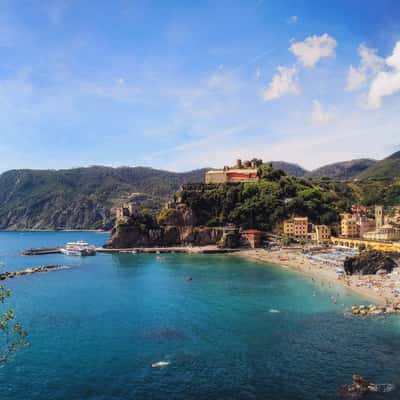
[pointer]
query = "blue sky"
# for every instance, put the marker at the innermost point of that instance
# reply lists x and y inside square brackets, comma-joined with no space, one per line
[185,84]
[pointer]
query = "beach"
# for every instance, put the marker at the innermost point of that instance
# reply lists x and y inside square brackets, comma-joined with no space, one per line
[379,289]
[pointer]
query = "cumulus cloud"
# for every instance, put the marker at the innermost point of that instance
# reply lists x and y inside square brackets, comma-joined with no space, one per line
[283,83]
[319,115]
[313,48]
[387,81]
[370,63]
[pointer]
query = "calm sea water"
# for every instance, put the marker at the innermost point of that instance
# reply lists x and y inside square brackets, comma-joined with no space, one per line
[95,329]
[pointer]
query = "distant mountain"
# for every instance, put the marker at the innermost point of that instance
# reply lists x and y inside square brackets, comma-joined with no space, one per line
[388,168]
[342,170]
[82,198]
[289,168]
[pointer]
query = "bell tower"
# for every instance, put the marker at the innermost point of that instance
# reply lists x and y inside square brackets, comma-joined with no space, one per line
[379,216]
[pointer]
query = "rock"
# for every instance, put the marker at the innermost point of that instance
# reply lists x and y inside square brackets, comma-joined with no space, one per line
[369,263]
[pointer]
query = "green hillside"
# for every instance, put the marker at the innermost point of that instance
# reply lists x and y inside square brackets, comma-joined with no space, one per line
[289,168]
[266,203]
[342,170]
[386,169]
[81,198]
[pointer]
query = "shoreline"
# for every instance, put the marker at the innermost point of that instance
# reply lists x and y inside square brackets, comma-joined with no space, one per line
[296,262]
[54,230]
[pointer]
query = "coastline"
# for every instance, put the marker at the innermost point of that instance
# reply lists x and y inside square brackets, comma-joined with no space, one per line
[55,230]
[296,262]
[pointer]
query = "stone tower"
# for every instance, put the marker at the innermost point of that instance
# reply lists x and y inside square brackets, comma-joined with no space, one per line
[379,216]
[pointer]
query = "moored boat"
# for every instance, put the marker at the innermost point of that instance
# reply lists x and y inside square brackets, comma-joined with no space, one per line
[79,248]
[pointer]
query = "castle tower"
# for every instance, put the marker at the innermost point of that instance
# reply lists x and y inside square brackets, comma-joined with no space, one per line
[379,217]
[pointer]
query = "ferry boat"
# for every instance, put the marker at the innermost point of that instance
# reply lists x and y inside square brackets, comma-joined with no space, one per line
[79,248]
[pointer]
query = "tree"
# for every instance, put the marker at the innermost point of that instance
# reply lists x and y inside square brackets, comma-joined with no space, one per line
[362,247]
[12,335]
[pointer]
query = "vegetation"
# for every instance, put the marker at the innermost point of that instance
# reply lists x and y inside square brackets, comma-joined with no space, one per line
[265,204]
[83,197]
[342,170]
[386,169]
[12,335]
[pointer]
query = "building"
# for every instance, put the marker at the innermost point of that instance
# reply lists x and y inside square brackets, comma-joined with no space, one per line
[369,244]
[127,210]
[348,226]
[384,233]
[379,216]
[248,171]
[366,225]
[252,237]
[321,234]
[296,227]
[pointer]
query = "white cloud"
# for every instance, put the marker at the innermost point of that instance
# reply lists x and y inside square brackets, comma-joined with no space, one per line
[283,83]
[386,82]
[356,78]
[319,115]
[313,48]
[370,63]
[293,19]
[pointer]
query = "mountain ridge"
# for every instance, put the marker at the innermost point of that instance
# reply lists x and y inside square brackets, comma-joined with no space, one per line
[84,197]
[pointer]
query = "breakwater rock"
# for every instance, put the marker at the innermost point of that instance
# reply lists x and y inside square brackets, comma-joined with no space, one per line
[369,263]
[29,271]
[372,310]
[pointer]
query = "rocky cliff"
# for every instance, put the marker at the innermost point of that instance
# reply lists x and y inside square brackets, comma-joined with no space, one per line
[369,263]
[175,226]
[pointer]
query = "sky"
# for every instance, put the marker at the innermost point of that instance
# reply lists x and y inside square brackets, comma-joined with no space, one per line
[180,85]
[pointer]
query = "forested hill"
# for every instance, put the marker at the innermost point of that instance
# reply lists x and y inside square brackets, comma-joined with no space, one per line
[82,198]
[342,170]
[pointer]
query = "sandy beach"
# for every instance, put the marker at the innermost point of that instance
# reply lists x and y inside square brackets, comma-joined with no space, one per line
[380,290]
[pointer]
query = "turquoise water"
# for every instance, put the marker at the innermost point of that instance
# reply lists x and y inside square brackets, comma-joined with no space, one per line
[95,329]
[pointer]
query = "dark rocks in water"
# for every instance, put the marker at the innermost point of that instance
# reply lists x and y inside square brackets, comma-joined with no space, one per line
[29,271]
[369,263]
[361,386]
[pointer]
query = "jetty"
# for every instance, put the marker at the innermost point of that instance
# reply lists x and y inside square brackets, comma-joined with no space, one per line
[42,251]
[134,250]
[176,249]
[30,271]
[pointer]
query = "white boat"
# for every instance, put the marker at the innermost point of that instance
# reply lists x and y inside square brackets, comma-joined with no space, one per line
[79,248]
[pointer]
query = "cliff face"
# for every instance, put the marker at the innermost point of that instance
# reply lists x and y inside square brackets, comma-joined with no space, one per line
[123,237]
[176,227]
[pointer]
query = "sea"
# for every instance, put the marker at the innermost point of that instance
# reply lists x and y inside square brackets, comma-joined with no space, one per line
[220,327]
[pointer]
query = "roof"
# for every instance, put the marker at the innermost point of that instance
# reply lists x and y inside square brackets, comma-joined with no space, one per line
[236,170]
[251,231]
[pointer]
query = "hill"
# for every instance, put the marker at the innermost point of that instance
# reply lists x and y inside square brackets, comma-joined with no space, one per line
[342,170]
[388,168]
[266,203]
[289,168]
[81,198]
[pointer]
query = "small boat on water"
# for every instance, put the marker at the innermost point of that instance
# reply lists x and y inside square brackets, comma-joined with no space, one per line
[160,364]
[79,248]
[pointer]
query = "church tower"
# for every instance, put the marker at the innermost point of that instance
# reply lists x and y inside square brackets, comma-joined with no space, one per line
[379,217]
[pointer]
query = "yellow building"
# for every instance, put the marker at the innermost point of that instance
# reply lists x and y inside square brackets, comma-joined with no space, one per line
[369,244]
[296,227]
[385,232]
[321,234]
[349,226]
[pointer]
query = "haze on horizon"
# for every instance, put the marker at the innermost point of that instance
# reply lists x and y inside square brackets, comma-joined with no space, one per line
[185,85]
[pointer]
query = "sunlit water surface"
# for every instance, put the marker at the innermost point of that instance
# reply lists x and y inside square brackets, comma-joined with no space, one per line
[237,330]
